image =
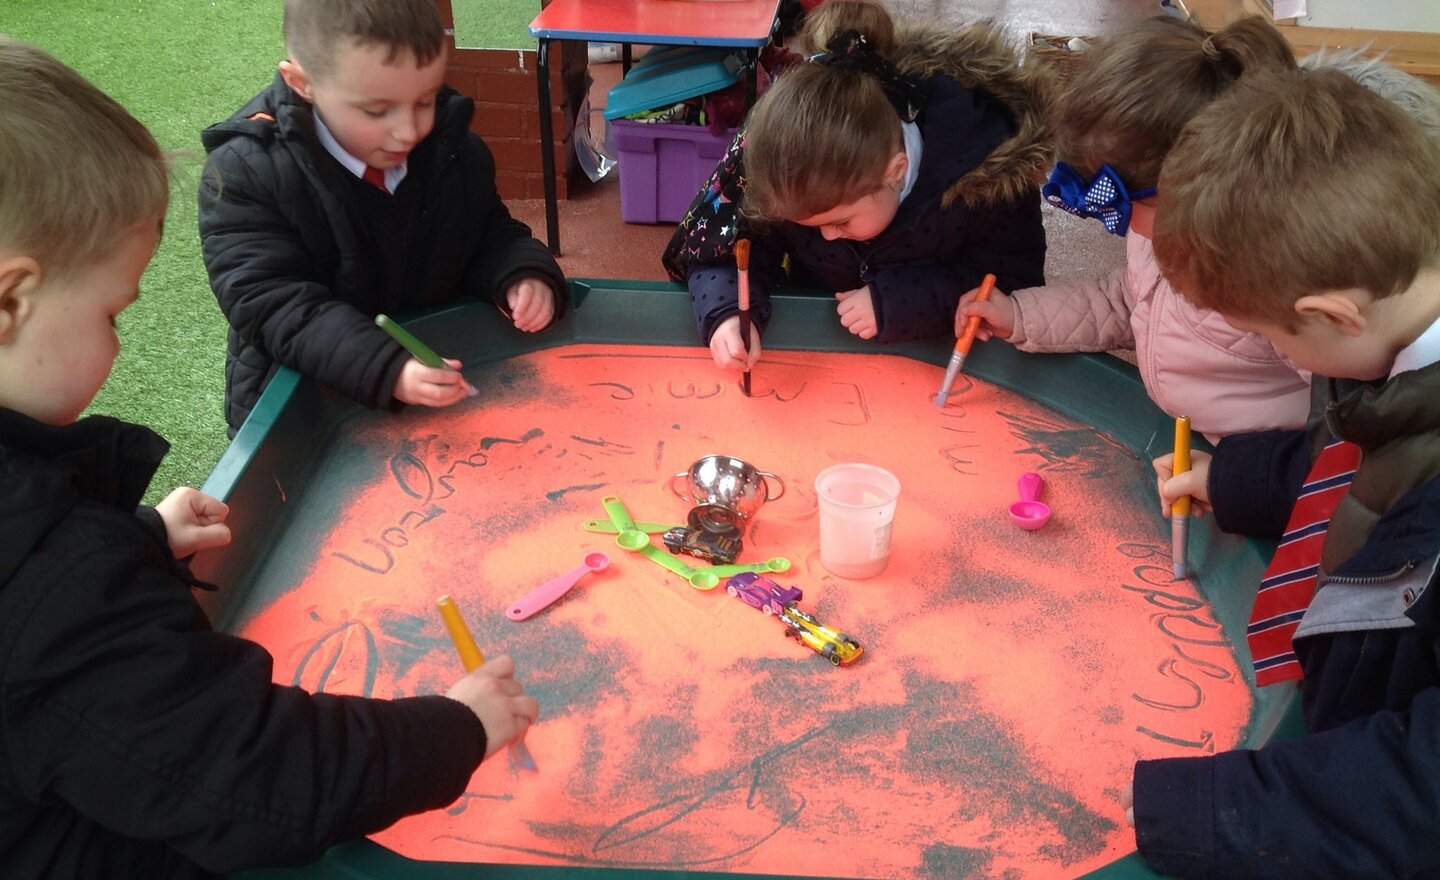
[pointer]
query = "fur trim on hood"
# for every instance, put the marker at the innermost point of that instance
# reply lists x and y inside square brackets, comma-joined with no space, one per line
[980,57]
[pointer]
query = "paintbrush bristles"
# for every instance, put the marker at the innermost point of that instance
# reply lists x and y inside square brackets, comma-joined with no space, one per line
[742,254]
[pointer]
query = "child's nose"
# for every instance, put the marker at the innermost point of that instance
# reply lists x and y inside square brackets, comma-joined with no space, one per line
[406,128]
[830,233]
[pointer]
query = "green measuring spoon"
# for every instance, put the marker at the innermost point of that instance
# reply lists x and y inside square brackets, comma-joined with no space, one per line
[630,537]
[605,526]
[778,563]
[699,578]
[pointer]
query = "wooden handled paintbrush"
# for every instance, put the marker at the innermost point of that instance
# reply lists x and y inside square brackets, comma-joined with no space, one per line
[742,264]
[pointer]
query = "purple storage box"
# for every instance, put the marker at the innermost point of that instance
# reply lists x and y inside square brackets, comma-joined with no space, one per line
[662,167]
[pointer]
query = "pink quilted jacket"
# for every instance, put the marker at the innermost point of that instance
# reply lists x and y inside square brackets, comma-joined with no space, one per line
[1192,362]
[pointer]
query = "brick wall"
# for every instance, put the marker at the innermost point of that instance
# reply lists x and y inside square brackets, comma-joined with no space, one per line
[507,115]
[507,112]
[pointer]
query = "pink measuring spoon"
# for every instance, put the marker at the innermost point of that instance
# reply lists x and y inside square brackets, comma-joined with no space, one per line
[1030,512]
[544,595]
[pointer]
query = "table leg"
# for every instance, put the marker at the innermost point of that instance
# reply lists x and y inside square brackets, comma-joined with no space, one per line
[753,56]
[547,148]
[626,58]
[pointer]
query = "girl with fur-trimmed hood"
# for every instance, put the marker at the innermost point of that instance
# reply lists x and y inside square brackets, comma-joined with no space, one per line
[895,169]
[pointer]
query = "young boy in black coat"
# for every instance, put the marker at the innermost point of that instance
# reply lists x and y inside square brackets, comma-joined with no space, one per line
[135,742]
[1303,207]
[350,187]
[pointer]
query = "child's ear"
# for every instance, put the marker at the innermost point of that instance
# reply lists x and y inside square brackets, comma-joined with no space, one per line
[1342,310]
[296,78]
[895,170]
[19,279]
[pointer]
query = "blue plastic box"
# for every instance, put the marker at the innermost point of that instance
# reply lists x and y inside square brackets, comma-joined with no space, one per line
[667,75]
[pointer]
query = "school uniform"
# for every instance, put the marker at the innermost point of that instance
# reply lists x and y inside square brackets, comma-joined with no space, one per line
[302,253]
[1355,797]
[136,742]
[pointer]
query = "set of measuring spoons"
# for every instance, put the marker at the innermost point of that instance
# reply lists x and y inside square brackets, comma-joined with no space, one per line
[1028,513]
[634,537]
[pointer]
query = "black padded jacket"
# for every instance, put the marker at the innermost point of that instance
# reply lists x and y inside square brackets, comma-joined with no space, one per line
[297,277]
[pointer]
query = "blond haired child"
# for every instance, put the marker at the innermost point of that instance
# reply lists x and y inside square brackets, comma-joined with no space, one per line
[895,168]
[354,186]
[135,742]
[1117,121]
[1307,209]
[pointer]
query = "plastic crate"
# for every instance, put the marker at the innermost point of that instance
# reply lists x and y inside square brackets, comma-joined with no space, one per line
[662,167]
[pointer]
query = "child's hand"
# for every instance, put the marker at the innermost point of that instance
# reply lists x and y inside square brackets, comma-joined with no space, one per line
[193,521]
[432,386]
[857,312]
[726,348]
[499,701]
[532,304]
[997,315]
[1194,482]
[1127,802]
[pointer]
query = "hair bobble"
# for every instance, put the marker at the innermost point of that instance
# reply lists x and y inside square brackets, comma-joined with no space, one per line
[1211,50]
[849,50]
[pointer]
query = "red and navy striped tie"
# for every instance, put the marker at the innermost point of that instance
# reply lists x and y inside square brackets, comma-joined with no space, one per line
[1288,584]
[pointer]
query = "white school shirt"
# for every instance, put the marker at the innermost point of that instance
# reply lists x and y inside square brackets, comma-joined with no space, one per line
[1423,352]
[393,176]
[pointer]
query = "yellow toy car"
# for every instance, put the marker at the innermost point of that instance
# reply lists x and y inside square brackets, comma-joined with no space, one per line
[838,648]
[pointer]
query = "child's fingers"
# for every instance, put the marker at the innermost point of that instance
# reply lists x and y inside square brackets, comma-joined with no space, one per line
[967,310]
[444,387]
[726,348]
[206,508]
[522,310]
[534,313]
[1189,483]
[212,535]
[440,392]
[754,354]
[502,666]
[544,313]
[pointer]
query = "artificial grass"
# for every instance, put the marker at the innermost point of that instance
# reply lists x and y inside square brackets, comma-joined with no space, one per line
[494,24]
[179,66]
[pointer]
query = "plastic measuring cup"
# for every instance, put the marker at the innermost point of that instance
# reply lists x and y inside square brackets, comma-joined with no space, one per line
[857,513]
[1029,512]
[545,595]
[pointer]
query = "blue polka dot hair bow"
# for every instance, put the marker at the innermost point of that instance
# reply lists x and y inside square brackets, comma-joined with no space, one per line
[1104,198]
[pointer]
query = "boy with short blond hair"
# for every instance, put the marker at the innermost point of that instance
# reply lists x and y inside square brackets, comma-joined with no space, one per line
[353,186]
[135,742]
[1307,209]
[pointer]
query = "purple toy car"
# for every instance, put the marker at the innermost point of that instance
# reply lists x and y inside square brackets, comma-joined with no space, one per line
[761,592]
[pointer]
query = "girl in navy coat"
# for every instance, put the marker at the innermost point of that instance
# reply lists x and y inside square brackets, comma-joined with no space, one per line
[894,169]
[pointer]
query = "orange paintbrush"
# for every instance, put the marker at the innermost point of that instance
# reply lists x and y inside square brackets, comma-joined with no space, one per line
[962,345]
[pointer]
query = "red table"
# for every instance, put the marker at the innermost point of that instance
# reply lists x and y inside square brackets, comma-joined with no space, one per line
[740,23]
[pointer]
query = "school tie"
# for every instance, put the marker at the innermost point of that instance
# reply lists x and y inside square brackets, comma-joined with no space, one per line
[1288,584]
[375,177]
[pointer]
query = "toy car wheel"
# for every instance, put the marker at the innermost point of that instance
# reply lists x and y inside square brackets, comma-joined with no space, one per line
[768,609]
[731,591]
